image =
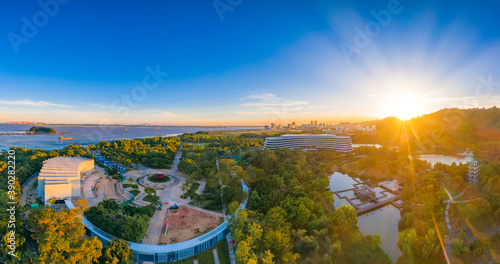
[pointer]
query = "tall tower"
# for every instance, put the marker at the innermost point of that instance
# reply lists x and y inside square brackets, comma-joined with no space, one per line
[473,172]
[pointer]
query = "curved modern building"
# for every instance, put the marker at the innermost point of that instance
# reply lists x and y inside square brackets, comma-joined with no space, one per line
[170,252]
[327,141]
[60,177]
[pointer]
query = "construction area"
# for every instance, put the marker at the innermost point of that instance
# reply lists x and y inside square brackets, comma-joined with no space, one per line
[186,223]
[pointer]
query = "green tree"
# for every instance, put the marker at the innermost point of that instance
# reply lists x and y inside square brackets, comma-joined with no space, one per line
[477,248]
[58,238]
[304,244]
[116,252]
[458,248]
[278,243]
[231,209]
[244,253]
[276,219]
[463,236]
[268,258]
[407,241]
[150,191]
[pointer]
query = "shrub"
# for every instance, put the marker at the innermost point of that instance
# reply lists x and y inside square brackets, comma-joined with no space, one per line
[135,192]
[158,178]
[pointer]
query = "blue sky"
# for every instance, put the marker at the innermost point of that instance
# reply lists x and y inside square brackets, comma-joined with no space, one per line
[244,62]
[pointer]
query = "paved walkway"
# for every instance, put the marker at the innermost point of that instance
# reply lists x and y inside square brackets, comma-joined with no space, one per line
[156,225]
[448,240]
[25,190]
[216,256]
[230,250]
[449,202]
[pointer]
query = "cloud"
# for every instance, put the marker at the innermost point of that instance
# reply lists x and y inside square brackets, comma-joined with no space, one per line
[169,114]
[27,102]
[100,106]
[271,100]
[321,107]
[267,104]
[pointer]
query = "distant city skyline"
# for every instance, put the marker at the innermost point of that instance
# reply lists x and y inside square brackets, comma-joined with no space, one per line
[259,62]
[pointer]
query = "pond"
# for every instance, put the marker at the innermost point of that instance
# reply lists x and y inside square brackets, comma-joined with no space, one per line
[383,221]
[446,159]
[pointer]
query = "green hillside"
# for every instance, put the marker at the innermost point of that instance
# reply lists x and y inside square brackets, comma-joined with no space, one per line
[445,131]
[47,130]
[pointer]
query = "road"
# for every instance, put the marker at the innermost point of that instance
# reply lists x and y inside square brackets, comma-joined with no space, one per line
[26,188]
[157,223]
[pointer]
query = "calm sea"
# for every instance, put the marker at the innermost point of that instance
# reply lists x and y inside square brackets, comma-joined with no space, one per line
[84,135]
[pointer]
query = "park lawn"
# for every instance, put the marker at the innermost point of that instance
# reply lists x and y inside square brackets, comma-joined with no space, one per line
[205,257]
[222,251]
[135,192]
[126,185]
[148,198]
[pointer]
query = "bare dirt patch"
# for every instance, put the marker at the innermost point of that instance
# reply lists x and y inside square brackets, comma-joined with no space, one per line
[186,223]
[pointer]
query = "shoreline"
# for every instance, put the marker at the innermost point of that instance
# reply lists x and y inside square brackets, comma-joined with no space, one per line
[123,125]
[85,145]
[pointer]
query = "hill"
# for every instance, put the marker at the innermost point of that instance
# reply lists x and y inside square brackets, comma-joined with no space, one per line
[45,130]
[449,131]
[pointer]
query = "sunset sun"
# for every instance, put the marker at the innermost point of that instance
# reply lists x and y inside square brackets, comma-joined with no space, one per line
[403,107]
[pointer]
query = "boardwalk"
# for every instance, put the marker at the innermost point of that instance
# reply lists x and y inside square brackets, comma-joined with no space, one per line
[380,201]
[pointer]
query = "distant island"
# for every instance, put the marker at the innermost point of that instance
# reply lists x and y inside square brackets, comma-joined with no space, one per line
[44,130]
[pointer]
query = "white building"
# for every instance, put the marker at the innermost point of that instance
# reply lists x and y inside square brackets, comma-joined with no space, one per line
[338,143]
[473,172]
[60,177]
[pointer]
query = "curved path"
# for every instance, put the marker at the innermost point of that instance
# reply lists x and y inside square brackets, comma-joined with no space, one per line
[26,188]
[451,201]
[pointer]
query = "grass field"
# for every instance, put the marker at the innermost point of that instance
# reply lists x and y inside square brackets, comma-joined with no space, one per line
[207,256]
[222,252]
[148,198]
[126,185]
[135,192]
